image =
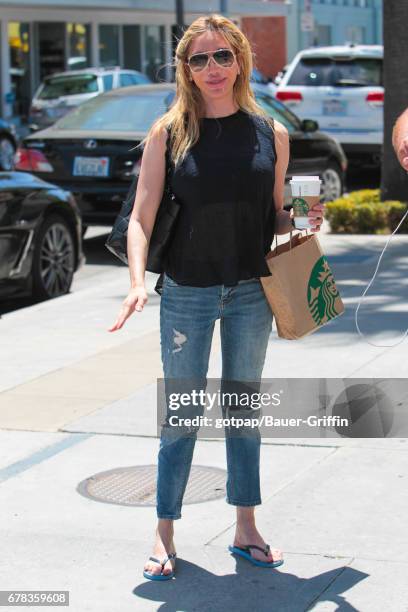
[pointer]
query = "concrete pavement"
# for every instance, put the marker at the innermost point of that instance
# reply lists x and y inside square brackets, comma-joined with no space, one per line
[77,400]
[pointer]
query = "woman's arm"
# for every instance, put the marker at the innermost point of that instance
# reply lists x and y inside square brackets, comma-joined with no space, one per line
[284,217]
[149,194]
[147,200]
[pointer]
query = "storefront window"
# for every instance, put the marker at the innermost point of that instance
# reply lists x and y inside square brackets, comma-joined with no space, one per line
[51,48]
[78,46]
[154,53]
[19,45]
[356,34]
[131,47]
[109,45]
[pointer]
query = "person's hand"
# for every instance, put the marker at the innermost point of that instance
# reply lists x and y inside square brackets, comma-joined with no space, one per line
[135,300]
[317,214]
[402,153]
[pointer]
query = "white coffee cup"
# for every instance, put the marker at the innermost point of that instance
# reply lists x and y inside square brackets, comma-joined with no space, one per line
[305,194]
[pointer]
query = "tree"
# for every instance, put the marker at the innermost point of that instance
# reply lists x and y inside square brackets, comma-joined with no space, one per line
[394,181]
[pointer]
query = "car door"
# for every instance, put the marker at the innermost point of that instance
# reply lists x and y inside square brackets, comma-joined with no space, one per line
[11,238]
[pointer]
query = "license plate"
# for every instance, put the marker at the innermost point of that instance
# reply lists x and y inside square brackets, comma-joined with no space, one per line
[337,108]
[91,166]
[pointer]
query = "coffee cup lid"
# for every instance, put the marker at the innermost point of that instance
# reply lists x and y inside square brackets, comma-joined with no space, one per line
[305,179]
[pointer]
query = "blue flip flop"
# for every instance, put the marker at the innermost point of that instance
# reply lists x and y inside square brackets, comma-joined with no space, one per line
[245,552]
[160,576]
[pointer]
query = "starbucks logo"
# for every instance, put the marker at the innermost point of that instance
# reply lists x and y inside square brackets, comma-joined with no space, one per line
[300,207]
[322,292]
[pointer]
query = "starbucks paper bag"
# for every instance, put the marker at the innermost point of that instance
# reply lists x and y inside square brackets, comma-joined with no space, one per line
[301,292]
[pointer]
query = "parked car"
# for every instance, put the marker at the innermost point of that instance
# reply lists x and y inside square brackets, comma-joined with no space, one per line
[40,237]
[91,152]
[341,87]
[278,78]
[59,93]
[8,145]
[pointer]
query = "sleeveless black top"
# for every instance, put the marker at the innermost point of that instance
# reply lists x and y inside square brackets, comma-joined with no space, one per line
[225,185]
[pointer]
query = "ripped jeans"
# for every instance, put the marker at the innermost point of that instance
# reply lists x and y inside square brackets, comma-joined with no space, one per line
[187,318]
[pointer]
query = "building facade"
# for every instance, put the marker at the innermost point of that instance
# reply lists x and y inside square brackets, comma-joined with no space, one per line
[332,22]
[41,37]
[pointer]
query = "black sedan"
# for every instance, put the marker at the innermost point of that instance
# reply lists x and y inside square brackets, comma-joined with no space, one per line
[40,237]
[90,151]
[8,145]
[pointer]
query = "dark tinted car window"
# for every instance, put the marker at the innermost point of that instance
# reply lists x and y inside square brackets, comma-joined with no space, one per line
[339,73]
[68,86]
[117,112]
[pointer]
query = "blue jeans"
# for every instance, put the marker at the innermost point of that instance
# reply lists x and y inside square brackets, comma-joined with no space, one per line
[187,318]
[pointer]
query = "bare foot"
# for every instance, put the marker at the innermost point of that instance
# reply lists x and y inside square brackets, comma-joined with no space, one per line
[248,534]
[163,546]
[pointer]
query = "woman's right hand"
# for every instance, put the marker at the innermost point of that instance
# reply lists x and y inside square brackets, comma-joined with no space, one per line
[135,300]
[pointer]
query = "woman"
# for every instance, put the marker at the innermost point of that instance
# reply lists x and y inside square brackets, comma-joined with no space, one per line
[229,161]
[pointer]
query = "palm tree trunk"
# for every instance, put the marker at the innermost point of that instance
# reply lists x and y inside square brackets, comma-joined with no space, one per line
[394,181]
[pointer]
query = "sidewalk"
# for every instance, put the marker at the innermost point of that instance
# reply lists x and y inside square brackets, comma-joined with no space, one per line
[77,400]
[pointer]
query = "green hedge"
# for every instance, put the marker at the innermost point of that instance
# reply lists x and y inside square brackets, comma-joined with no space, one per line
[362,212]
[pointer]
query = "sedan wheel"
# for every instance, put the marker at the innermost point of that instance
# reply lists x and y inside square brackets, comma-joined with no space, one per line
[54,259]
[332,184]
[7,152]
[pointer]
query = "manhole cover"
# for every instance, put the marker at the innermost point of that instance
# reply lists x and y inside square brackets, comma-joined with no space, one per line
[136,486]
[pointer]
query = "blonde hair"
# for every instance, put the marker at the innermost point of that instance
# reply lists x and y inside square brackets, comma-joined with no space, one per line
[183,118]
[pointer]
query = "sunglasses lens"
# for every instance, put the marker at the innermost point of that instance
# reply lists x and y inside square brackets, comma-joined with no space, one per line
[198,62]
[224,58]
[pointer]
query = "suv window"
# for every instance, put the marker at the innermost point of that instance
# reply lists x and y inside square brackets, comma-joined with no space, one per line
[107,82]
[359,72]
[129,78]
[68,86]
[126,79]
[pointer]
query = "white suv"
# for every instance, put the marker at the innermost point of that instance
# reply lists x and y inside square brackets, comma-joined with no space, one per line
[340,87]
[60,93]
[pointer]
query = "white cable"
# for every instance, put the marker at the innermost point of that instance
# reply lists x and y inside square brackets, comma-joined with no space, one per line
[369,285]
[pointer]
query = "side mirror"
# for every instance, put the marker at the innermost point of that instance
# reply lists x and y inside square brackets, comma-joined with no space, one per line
[309,125]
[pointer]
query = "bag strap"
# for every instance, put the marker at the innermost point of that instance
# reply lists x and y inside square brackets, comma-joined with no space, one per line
[290,238]
[168,164]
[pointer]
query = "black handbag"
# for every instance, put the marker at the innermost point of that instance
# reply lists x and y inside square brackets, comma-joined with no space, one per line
[162,232]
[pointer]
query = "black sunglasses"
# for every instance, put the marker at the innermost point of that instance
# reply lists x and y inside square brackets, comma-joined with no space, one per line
[224,58]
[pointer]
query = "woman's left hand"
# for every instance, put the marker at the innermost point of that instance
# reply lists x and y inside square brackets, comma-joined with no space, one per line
[317,214]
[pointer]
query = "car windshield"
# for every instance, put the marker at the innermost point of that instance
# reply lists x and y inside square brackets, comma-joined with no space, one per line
[358,72]
[278,111]
[68,86]
[118,113]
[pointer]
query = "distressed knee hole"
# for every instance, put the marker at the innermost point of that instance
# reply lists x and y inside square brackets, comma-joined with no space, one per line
[178,339]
